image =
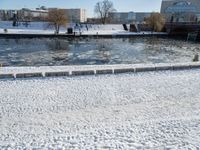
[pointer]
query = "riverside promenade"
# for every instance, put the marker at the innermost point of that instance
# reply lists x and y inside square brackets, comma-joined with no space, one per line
[38,30]
[133,110]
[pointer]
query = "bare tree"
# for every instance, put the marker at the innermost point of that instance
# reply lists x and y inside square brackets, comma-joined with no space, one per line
[28,17]
[57,18]
[103,8]
[156,21]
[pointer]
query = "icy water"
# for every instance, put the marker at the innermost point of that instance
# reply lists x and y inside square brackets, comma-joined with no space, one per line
[40,52]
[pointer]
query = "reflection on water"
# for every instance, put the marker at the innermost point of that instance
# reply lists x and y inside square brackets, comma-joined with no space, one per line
[41,51]
[57,45]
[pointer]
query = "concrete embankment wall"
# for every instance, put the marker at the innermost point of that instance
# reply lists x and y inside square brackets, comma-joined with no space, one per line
[10,35]
[60,71]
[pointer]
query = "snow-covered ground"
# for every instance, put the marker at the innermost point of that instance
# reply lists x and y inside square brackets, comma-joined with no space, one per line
[42,28]
[157,110]
[32,28]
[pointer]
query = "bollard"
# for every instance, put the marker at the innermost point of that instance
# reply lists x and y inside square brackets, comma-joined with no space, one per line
[196,58]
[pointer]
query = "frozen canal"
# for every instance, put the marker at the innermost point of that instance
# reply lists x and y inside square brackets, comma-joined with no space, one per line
[40,52]
[154,110]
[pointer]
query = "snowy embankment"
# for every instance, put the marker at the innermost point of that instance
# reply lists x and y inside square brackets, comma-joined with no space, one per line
[42,28]
[155,110]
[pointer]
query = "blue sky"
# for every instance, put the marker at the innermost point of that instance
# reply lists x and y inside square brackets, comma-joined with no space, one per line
[120,5]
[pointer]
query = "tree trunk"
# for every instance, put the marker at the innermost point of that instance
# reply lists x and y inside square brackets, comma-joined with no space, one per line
[58,29]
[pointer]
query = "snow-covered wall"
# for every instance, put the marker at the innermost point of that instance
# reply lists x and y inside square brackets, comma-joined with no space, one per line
[53,71]
[44,26]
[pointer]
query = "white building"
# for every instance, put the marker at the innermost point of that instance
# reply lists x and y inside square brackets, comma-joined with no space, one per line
[39,13]
[33,13]
[74,15]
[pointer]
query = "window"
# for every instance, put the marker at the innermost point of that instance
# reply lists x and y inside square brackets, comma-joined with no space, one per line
[181,7]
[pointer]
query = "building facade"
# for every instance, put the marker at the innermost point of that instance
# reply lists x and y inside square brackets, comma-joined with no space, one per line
[128,17]
[142,16]
[181,10]
[76,15]
[122,17]
[1,15]
[7,14]
[32,14]
[23,14]
[39,14]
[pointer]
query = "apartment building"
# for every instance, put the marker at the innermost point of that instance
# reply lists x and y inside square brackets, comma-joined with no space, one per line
[76,15]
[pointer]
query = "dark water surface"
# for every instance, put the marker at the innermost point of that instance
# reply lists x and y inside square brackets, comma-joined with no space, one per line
[44,51]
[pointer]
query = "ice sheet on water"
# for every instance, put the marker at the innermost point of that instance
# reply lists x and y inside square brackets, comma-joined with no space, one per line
[85,51]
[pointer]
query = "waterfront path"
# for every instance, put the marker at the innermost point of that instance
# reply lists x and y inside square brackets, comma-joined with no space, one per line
[150,110]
